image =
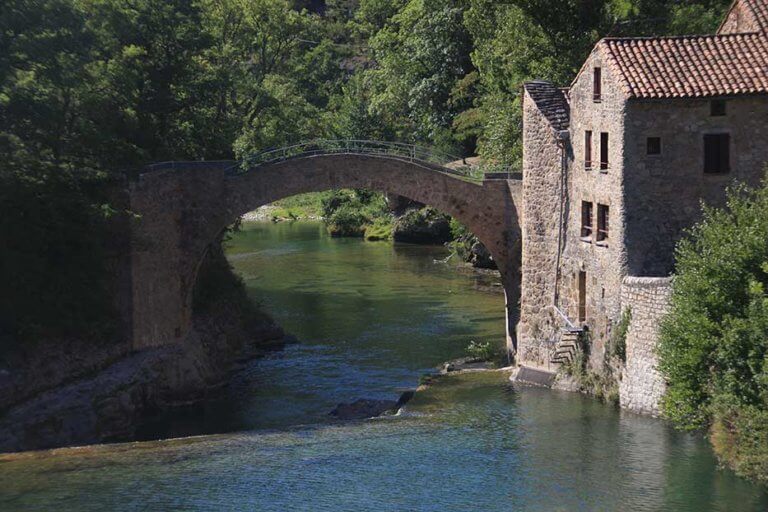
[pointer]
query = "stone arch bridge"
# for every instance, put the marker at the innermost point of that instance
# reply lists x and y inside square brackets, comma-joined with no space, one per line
[181,208]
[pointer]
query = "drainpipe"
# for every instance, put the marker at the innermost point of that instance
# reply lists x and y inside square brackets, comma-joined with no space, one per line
[563,138]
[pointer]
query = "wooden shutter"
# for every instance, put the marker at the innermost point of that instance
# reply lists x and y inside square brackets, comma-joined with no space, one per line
[604,150]
[588,149]
[602,223]
[597,84]
[586,219]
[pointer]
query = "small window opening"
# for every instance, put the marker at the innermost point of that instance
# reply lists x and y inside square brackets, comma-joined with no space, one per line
[717,153]
[582,297]
[653,146]
[586,220]
[717,108]
[602,223]
[588,149]
[603,151]
[597,84]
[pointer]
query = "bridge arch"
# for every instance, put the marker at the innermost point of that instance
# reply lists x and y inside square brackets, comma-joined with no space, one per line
[183,207]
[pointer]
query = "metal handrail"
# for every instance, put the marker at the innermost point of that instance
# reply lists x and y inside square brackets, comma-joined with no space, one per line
[398,150]
[564,317]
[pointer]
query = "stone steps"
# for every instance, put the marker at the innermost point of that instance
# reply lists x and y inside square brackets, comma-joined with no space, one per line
[566,349]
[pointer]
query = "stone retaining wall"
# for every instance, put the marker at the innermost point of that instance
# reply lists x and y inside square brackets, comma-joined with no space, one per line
[642,386]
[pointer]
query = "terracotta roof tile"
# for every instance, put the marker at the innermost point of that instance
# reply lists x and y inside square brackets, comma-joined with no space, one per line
[690,66]
[551,101]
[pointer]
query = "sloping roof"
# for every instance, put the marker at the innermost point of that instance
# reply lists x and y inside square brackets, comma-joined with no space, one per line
[745,16]
[551,101]
[690,66]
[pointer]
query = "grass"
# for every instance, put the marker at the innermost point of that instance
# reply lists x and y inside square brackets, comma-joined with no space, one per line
[380,230]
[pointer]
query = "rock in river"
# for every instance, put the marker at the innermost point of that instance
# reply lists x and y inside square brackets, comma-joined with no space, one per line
[364,408]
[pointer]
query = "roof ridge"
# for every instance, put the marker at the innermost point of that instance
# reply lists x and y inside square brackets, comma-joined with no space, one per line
[690,36]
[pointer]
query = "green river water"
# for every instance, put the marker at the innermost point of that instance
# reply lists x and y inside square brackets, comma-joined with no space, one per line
[373,317]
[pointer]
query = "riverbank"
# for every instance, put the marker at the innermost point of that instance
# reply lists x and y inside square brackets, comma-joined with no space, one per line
[111,394]
[375,216]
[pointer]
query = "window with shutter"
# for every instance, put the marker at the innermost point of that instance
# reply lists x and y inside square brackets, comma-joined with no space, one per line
[603,151]
[597,84]
[717,153]
[602,223]
[586,221]
[588,149]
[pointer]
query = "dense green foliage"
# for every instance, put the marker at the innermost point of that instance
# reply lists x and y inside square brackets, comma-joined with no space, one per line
[351,212]
[88,87]
[714,343]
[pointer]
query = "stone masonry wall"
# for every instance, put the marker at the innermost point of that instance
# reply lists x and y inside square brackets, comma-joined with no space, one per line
[642,386]
[541,219]
[603,262]
[664,192]
[740,19]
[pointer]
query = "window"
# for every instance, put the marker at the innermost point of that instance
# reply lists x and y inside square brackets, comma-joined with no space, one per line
[586,221]
[717,108]
[717,153]
[588,149]
[653,146]
[603,151]
[597,84]
[602,223]
[582,297]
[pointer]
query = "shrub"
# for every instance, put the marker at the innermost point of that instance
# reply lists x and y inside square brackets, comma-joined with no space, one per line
[713,348]
[482,350]
[425,225]
[618,344]
[347,221]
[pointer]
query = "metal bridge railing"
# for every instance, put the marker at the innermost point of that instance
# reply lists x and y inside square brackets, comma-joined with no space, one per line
[426,157]
[433,158]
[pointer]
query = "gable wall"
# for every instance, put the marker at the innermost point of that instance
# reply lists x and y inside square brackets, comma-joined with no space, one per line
[663,193]
[740,20]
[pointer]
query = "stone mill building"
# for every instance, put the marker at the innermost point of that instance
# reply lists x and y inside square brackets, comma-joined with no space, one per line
[615,168]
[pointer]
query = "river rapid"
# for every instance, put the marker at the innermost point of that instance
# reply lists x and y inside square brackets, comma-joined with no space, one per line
[371,319]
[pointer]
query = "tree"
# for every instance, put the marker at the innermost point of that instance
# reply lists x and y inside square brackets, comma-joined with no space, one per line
[713,349]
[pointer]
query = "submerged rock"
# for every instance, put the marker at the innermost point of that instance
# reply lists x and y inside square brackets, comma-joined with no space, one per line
[369,408]
[465,364]
[364,408]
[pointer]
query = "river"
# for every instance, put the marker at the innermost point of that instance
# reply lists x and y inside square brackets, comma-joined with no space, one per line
[371,319]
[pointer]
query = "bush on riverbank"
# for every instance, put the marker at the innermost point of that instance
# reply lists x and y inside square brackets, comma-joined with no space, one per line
[422,226]
[713,348]
[351,212]
[468,248]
